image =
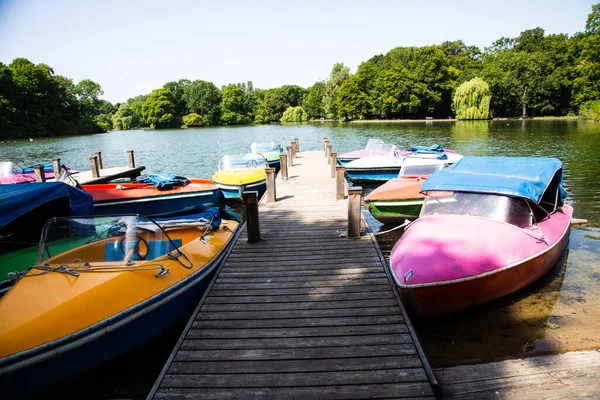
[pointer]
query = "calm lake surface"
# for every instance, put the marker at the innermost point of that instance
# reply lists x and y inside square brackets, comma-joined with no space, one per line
[561,312]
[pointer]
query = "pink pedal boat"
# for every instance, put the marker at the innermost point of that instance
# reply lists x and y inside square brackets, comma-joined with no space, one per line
[374,147]
[13,173]
[489,226]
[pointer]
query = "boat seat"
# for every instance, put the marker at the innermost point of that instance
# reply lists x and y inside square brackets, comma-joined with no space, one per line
[156,248]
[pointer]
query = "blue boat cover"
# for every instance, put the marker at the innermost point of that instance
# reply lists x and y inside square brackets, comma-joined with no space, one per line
[47,168]
[525,177]
[18,199]
[163,180]
[430,149]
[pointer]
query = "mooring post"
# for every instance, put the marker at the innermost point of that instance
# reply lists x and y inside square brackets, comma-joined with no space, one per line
[98,155]
[283,165]
[271,188]
[333,164]
[40,176]
[130,159]
[297,145]
[354,197]
[328,154]
[56,167]
[290,159]
[293,146]
[340,182]
[252,223]
[325,145]
[94,167]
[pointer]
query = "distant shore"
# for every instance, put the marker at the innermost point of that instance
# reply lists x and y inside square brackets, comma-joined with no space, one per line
[394,121]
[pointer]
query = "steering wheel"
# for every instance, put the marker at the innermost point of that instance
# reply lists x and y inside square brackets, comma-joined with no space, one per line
[251,164]
[134,244]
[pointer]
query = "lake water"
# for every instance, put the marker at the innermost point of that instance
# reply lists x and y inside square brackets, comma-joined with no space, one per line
[561,312]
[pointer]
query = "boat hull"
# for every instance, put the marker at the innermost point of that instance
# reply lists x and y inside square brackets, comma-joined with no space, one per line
[445,263]
[373,174]
[275,164]
[108,339]
[234,192]
[394,211]
[433,300]
[156,204]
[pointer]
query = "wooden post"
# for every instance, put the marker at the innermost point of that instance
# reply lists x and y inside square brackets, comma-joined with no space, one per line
[297,145]
[328,154]
[252,223]
[40,176]
[354,197]
[290,159]
[130,159]
[283,165]
[293,146]
[325,147]
[333,164]
[271,189]
[98,155]
[94,166]
[56,167]
[340,182]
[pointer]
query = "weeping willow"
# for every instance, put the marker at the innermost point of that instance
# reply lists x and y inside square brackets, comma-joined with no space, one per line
[472,100]
[294,114]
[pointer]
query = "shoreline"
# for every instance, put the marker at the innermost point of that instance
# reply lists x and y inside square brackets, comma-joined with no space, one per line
[395,121]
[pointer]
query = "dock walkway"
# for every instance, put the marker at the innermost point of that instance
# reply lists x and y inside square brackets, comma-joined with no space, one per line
[303,314]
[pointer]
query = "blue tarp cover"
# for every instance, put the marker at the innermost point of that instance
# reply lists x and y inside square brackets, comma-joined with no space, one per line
[526,177]
[163,180]
[18,199]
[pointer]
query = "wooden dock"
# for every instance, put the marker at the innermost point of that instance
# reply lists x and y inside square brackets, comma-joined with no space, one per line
[571,375]
[303,314]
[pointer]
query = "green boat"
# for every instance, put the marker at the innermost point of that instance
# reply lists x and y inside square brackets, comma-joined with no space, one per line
[270,151]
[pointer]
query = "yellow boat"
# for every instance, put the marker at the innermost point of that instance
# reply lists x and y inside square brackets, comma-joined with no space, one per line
[125,280]
[237,173]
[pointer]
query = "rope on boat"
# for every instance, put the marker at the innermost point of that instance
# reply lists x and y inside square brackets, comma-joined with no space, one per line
[75,270]
[405,224]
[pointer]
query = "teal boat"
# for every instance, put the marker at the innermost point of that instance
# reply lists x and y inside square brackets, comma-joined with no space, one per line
[270,151]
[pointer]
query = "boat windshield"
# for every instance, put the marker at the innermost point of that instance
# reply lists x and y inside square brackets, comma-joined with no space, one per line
[499,208]
[263,147]
[385,149]
[420,169]
[8,168]
[372,144]
[241,161]
[124,239]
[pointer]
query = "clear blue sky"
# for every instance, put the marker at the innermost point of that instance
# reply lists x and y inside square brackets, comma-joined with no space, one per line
[133,46]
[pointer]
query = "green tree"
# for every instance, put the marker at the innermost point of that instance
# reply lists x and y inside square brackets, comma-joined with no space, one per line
[204,98]
[234,110]
[472,100]
[339,74]
[587,70]
[178,89]
[294,114]
[313,102]
[351,102]
[194,119]
[158,111]
[123,119]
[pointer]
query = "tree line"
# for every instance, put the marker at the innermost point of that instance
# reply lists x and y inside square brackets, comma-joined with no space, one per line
[533,74]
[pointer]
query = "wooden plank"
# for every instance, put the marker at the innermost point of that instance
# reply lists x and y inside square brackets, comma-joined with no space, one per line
[296,285]
[335,313]
[107,175]
[274,280]
[309,305]
[299,263]
[296,323]
[294,343]
[286,366]
[315,291]
[295,379]
[297,332]
[255,272]
[248,300]
[406,390]
[296,354]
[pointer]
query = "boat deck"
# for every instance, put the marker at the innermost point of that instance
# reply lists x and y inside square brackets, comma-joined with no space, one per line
[108,174]
[303,314]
